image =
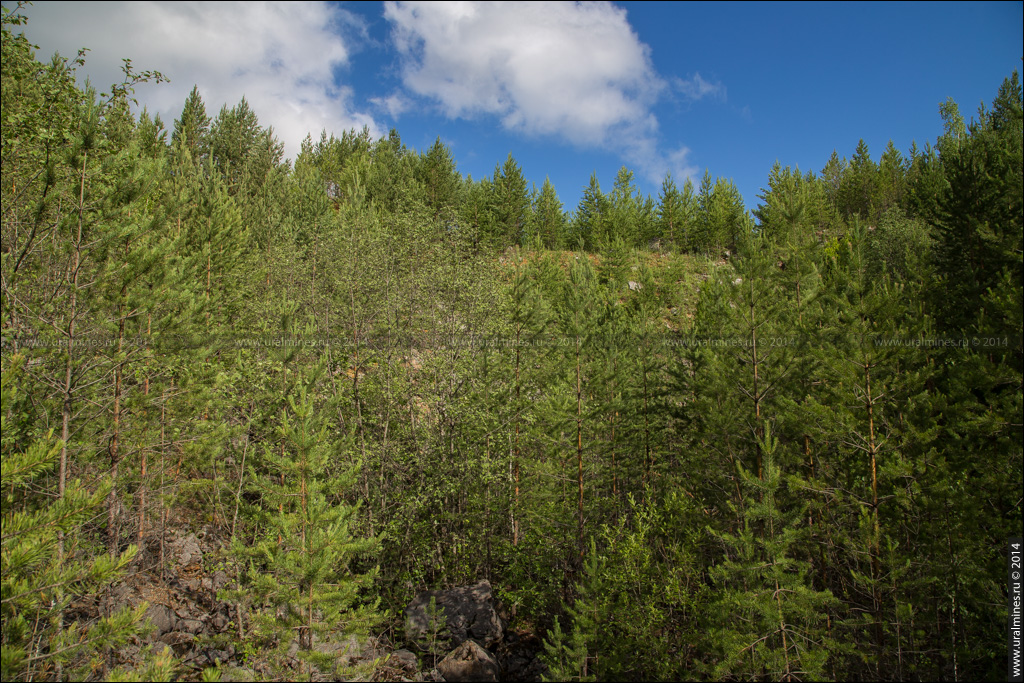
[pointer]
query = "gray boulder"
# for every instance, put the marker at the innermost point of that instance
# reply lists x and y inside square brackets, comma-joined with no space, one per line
[163,618]
[193,626]
[186,551]
[462,613]
[469,662]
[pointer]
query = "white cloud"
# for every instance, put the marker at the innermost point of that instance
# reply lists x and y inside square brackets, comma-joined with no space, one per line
[576,71]
[697,88]
[678,163]
[280,56]
[395,105]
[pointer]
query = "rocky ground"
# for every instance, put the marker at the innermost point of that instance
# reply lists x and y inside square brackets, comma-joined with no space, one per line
[462,638]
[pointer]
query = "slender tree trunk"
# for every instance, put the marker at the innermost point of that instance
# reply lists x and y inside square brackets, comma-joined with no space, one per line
[758,428]
[115,439]
[648,457]
[869,404]
[143,471]
[579,447]
[163,471]
[68,388]
[515,450]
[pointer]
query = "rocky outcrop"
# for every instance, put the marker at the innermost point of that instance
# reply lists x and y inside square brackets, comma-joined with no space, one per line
[162,618]
[467,640]
[186,551]
[469,662]
[461,614]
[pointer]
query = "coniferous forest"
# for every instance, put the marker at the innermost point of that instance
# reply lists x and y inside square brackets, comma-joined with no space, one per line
[681,439]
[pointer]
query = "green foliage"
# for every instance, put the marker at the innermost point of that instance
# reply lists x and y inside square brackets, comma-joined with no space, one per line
[676,214]
[978,216]
[510,203]
[588,225]
[441,183]
[548,221]
[898,247]
[768,620]
[192,130]
[566,655]
[41,574]
[746,456]
[302,572]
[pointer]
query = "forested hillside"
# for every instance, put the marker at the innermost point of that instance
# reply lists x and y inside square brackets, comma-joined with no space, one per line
[681,439]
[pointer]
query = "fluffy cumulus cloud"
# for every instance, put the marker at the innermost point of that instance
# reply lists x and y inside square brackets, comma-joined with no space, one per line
[576,71]
[281,56]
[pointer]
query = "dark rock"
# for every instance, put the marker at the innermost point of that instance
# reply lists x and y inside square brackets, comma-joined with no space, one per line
[469,662]
[467,612]
[193,626]
[519,657]
[179,641]
[215,657]
[163,618]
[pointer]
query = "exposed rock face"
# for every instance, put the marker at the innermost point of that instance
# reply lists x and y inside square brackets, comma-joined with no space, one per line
[467,611]
[469,662]
[186,551]
[163,618]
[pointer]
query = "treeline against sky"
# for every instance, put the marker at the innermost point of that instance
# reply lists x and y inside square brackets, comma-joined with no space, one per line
[683,440]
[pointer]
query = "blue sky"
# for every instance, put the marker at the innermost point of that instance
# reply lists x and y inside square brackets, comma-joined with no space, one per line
[568,88]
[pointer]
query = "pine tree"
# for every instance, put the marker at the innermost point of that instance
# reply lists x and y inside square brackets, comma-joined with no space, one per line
[858,184]
[529,320]
[137,279]
[732,225]
[891,182]
[862,371]
[305,569]
[476,216]
[978,214]
[705,238]
[576,321]
[624,213]
[192,130]
[42,574]
[676,213]
[441,182]
[548,221]
[510,203]
[769,622]
[782,215]
[588,224]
